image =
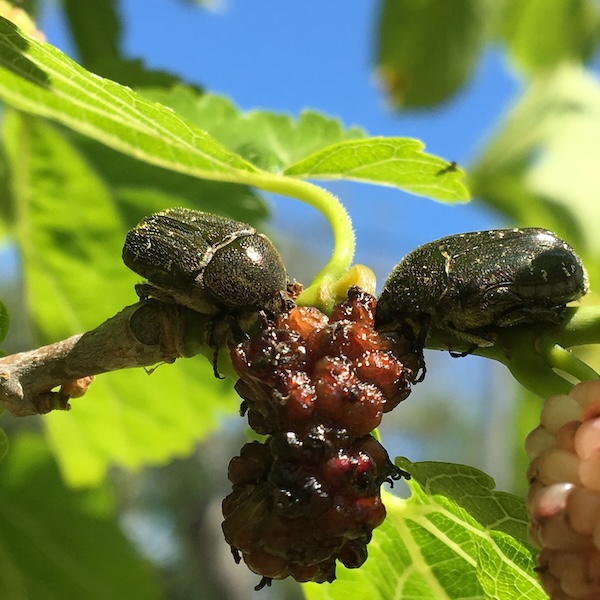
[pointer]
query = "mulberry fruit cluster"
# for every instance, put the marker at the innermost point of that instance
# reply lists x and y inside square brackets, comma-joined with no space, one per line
[316,386]
[564,493]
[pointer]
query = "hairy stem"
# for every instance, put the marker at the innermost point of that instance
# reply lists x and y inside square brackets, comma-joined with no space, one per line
[321,292]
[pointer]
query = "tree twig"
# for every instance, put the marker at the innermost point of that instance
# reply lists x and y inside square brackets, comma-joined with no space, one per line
[141,335]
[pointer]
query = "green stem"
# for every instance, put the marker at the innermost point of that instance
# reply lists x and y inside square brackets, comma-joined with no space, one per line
[562,359]
[582,327]
[320,292]
[530,368]
[537,360]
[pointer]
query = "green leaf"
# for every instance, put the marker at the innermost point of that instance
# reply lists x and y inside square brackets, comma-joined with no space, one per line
[139,188]
[6,207]
[397,162]
[135,419]
[95,28]
[71,245]
[569,31]
[4,320]
[268,140]
[4,443]
[316,146]
[541,166]
[55,543]
[134,73]
[38,78]
[427,50]
[471,490]
[454,538]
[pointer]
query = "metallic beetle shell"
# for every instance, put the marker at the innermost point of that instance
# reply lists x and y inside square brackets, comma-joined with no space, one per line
[473,283]
[206,262]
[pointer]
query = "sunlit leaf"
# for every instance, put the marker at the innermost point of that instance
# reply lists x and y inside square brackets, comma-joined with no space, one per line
[454,538]
[316,146]
[397,162]
[38,78]
[135,419]
[269,140]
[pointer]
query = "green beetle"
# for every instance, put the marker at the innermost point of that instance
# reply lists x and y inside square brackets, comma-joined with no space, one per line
[209,263]
[472,284]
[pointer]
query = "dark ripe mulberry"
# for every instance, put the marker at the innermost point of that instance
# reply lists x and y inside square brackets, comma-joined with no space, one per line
[328,438]
[403,348]
[316,504]
[286,446]
[383,370]
[268,353]
[358,307]
[354,553]
[303,369]
[386,470]
[314,446]
[246,514]
[298,491]
[257,405]
[295,403]
[356,472]
[251,466]
[317,386]
[343,338]
[343,399]
[303,320]
[353,515]
[268,565]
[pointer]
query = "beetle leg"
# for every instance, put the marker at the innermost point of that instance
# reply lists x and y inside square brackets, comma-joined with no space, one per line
[224,330]
[395,473]
[455,354]
[425,322]
[264,582]
[237,333]
[215,344]
[532,314]
[215,363]
[422,369]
